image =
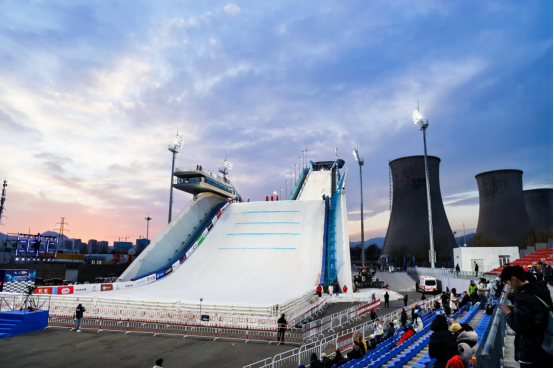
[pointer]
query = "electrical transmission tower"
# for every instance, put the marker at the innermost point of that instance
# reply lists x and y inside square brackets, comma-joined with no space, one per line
[62,229]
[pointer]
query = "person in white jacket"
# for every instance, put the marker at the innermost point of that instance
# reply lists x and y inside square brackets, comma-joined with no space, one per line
[453,301]
[417,323]
[378,331]
[330,290]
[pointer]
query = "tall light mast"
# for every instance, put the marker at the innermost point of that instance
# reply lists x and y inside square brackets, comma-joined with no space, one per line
[423,124]
[361,163]
[174,148]
[3,200]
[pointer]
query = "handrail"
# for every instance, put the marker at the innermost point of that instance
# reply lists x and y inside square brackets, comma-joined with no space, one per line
[491,351]
[448,272]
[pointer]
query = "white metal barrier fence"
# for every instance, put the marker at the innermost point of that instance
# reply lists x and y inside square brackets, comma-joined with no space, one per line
[315,329]
[342,341]
[158,328]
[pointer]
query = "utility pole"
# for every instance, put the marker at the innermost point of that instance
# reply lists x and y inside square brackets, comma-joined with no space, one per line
[361,163]
[423,124]
[174,148]
[148,219]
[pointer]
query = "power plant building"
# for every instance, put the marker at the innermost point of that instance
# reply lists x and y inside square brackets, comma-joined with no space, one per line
[539,207]
[408,231]
[502,212]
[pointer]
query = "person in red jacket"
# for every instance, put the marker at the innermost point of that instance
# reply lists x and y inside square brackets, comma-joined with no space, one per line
[406,335]
[344,289]
[319,289]
[271,197]
[266,198]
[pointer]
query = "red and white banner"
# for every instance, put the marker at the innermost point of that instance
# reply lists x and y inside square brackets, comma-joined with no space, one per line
[65,290]
[43,291]
[106,287]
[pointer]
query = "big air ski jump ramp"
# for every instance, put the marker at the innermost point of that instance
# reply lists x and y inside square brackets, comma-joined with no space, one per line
[256,258]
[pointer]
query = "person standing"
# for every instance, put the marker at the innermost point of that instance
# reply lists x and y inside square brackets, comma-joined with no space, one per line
[345,289]
[445,303]
[457,269]
[476,268]
[373,297]
[282,326]
[403,318]
[319,290]
[387,299]
[482,292]
[378,331]
[330,289]
[528,317]
[405,300]
[79,317]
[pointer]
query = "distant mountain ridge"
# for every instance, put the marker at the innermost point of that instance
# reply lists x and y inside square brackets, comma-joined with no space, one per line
[379,241]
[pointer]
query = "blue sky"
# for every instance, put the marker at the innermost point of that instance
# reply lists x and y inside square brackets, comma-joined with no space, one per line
[91,93]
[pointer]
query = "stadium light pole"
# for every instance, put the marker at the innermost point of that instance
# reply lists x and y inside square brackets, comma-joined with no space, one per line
[148,219]
[299,161]
[361,163]
[295,167]
[423,124]
[291,183]
[174,148]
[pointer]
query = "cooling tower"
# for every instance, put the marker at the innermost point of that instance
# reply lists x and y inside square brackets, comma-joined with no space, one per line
[539,207]
[408,231]
[502,212]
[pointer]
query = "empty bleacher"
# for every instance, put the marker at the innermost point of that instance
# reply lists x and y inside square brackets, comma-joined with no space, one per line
[544,255]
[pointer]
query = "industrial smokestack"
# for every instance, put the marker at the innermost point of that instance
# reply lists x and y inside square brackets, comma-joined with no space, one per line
[539,207]
[408,231]
[502,212]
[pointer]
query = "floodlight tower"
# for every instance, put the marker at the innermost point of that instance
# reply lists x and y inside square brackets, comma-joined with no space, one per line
[174,148]
[148,219]
[3,200]
[423,124]
[361,163]
[227,166]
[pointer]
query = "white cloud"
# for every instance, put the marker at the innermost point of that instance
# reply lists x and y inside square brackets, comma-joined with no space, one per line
[213,41]
[231,9]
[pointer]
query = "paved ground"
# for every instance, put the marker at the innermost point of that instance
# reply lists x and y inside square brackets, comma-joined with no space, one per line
[58,347]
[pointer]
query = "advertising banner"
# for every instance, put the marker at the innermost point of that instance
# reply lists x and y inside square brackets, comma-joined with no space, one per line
[205,232]
[123,285]
[80,288]
[200,239]
[183,258]
[146,280]
[65,290]
[43,291]
[210,226]
[205,318]
[160,275]
[176,265]
[107,287]
[218,214]
[2,272]
[168,270]
[214,220]
[19,275]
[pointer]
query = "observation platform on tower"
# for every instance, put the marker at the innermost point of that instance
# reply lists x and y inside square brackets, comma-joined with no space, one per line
[196,180]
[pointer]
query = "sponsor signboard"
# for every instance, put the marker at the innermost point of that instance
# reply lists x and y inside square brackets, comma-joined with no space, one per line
[210,226]
[168,270]
[149,279]
[126,285]
[65,290]
[160,275]
[19,275]
[176,265]
[107,287]
[183,258]
[218,214]
[80,288]
[205,318]
[199,242]
[189,253]
[205,232]
[214,220]
[43,291]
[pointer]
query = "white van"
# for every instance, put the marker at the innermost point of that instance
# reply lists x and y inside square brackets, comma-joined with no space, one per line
[427,284]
